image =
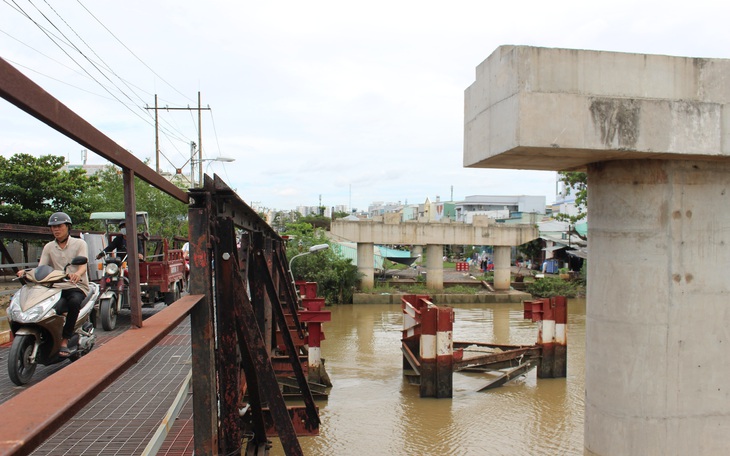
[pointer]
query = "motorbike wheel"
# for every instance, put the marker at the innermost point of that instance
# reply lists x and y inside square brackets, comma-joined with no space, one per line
[20,369]
[174,295]
[108,311]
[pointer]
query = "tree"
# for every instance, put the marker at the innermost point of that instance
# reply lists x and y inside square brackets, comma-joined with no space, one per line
[531,250]
[317,221]
[336,277]
[33,188]
[168,216]
[577,183]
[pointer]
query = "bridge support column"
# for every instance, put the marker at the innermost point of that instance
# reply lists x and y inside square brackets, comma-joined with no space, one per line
[365,264]
[417,251]
[435,266]
[657,315]
[502,267]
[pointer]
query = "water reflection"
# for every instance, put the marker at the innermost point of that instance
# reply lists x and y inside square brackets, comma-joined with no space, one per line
[373,410]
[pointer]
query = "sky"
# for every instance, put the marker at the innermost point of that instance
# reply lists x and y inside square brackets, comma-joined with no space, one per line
[338,103]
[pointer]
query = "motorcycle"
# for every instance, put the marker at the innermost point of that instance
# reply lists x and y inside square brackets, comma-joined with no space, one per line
[37,328]
[114,293]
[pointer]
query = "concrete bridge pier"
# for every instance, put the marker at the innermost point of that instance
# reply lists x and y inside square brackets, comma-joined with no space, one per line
[417,251]
[502,267]
[435,266]
[434,235]
[653,134]
[365,264]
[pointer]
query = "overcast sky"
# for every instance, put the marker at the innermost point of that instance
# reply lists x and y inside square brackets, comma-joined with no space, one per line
[350,102]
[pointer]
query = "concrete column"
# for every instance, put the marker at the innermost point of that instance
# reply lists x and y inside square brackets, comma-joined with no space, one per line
[502,267]
[365,264]
[435,266]
[417,251]
[657,318]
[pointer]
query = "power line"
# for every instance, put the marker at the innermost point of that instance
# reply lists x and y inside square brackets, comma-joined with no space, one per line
[168,130]
[130,51]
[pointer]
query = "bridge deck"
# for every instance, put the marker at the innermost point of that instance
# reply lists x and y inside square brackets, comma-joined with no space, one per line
[124,417]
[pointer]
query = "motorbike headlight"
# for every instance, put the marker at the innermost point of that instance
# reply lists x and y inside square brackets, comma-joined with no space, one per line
[111,269]
[34,314]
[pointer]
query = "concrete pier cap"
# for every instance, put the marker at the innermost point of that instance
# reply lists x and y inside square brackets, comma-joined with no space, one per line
[652,132]
[433,235]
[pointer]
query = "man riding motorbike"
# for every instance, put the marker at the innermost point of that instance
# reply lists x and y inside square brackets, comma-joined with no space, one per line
[58,254]
[119,243]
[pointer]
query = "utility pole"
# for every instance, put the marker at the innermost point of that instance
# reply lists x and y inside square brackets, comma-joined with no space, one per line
[200,137]
[157,139]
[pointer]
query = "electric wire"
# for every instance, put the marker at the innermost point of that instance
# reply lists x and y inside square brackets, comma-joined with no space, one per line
[165,129]
[130,51]
[48,35]
[56,39]
[168,130]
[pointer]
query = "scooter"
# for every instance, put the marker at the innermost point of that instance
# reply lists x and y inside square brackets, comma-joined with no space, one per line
[114,294]
[37,328]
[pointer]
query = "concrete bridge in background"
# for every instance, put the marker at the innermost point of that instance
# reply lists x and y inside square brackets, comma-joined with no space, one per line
[653,134]
[434,235]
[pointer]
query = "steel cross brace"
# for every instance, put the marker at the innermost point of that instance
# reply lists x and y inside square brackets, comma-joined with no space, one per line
[232,301]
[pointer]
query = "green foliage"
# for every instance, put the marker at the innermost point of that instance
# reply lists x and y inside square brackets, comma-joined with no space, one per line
[548,287]
[336,277]
[461,289]
[532,249]
[168,216]
[32,188]
[576,183]
[317,221]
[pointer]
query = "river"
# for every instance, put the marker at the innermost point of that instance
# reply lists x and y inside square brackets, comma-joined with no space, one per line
[373,410]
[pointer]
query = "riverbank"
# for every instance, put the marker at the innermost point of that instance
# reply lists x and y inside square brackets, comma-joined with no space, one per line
[511,296]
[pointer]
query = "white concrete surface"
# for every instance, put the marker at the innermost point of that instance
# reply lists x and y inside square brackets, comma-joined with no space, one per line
[435,266]
[560,109]
[365,262]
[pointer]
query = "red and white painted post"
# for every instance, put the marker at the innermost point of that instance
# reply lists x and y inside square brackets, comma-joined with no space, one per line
[560,366]
[551,316]
[546,338]
[444,352]
[429,324]
[313,316]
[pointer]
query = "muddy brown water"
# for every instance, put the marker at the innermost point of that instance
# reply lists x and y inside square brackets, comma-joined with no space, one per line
[373,410]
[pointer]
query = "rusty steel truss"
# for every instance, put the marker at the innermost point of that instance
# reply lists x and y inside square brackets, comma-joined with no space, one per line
[239,264]
[241,297]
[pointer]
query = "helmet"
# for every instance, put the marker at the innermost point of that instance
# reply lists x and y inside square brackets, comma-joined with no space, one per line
[122,223]
[59,218]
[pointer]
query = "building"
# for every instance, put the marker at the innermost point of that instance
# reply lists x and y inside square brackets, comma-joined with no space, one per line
[497,206]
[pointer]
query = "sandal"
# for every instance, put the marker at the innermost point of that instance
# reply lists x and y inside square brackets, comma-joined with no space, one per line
[64,352]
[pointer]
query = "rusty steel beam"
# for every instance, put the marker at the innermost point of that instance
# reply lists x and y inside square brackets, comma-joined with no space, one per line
[29,232]
[291,297]
[202,332]
[252,345]
[264,274]
[19,90]
[135,293]
[35,414]
[494,358]
[227,300]
[230,205]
